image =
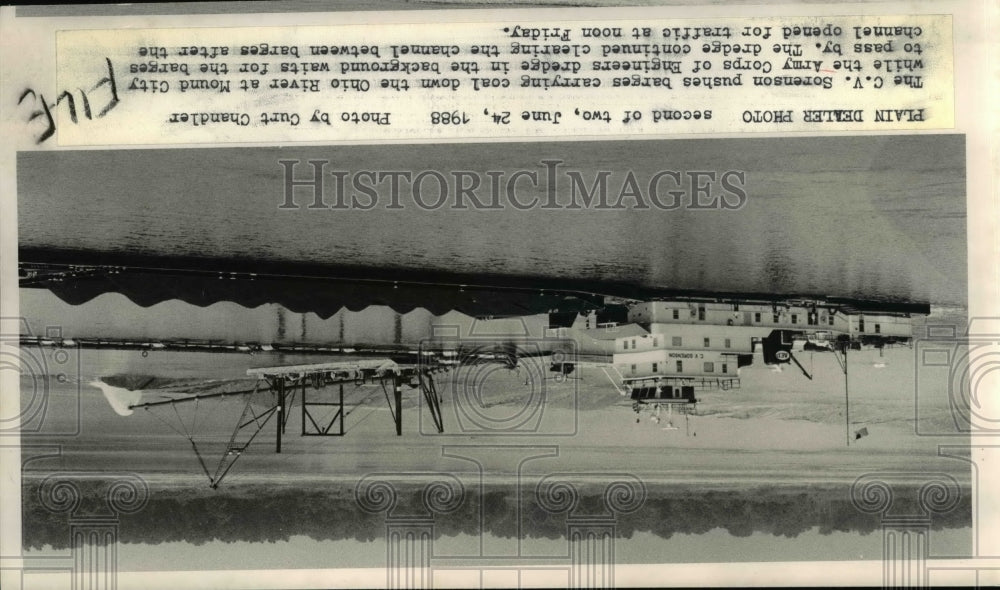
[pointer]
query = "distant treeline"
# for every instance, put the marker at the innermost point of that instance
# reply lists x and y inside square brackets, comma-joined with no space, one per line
[279,513]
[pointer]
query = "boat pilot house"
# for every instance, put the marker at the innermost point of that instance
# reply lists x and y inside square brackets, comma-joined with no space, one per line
[666,351]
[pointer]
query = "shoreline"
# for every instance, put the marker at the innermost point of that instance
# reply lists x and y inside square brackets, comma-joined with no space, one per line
[661,484]
[411,286]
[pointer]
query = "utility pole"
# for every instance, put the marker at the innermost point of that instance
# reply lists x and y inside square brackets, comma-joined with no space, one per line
[281,412]
[847,399]
[845,344]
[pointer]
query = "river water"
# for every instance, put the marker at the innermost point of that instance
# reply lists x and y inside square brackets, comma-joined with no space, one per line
[866,217]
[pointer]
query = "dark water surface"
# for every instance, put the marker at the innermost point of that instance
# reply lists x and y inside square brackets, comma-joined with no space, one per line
[502,516]
[865,217]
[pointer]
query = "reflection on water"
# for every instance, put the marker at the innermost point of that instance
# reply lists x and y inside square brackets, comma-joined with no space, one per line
[867,217]
[270,514]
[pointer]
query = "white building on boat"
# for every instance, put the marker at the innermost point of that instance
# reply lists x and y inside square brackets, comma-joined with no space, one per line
[667,350]
[786,315]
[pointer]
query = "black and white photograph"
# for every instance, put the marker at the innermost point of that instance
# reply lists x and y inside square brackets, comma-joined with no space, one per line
[715,359]
[700,360]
